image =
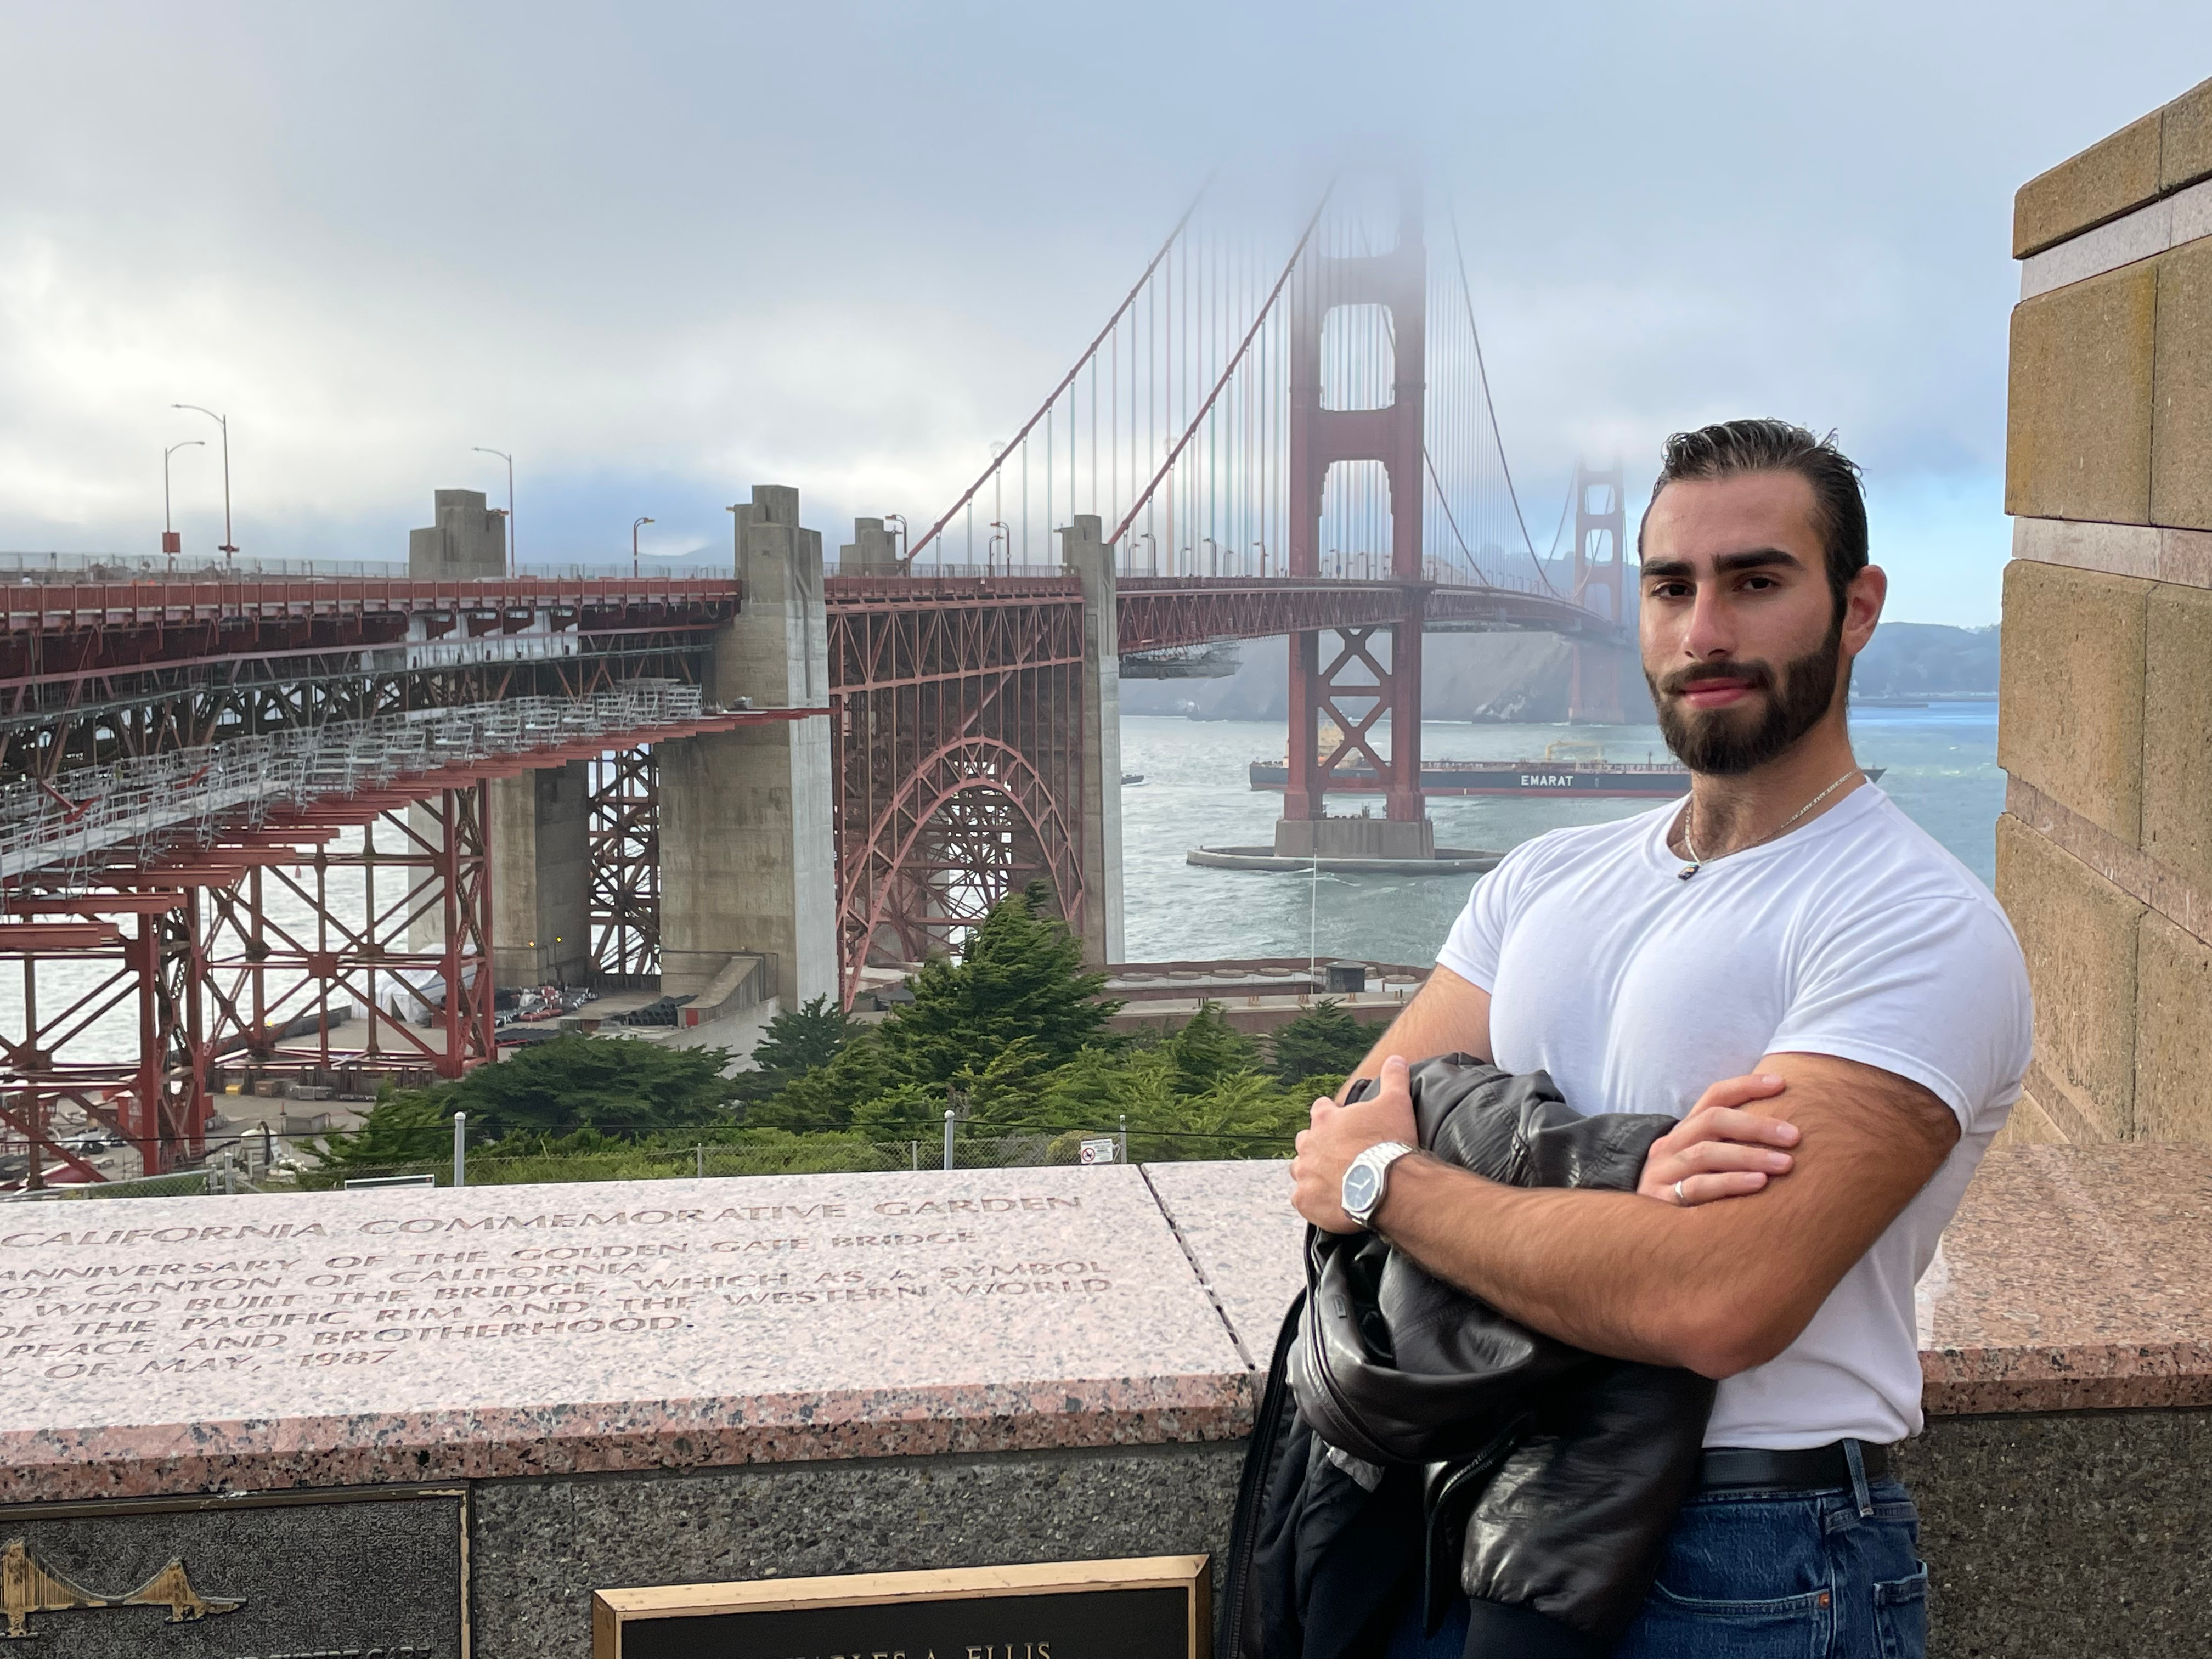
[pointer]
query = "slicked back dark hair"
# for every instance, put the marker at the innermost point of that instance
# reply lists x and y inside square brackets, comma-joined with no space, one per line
[1730,449]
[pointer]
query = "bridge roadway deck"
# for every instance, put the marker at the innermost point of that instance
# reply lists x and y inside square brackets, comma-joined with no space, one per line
[54,632]
[58,631]
[1162,612]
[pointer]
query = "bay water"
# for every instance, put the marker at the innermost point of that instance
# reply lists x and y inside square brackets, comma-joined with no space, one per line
[1940,765]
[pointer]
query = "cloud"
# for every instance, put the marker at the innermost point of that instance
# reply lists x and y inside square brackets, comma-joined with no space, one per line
[664,252]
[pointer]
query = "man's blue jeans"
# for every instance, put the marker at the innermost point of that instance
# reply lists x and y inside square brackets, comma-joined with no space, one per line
[1800,1575]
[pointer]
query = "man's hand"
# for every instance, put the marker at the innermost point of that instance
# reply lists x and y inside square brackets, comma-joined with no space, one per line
[1720,1150]
[1340,1133]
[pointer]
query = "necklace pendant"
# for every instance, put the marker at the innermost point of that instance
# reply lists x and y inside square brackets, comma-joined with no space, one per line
[1687,870]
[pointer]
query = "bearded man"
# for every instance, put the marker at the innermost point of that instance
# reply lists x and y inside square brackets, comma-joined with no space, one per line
[1784,960]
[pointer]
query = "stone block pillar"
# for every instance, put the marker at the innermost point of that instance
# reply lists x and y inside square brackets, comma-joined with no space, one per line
[1091,561]
[873,549]
[541,876]
[2105,849]
[468,540]
[748,860]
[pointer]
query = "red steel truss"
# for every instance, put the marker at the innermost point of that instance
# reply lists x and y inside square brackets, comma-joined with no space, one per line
[167,967]
[135,969]
[956,778]
[91,672]
[623,835]
[1354,691]
[406,986]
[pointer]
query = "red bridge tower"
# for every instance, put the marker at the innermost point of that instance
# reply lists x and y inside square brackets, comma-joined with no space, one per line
[1358,688]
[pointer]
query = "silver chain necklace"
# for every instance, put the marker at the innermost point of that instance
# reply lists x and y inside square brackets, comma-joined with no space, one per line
[1697,860]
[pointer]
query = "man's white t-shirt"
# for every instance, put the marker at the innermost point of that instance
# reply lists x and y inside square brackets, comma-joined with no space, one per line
[1856,936]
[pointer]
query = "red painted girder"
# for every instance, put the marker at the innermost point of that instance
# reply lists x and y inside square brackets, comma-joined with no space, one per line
[52,605]
[114,663]
[285,827]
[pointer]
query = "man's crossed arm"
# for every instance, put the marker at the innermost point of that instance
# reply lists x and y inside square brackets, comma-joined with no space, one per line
[1717,1288]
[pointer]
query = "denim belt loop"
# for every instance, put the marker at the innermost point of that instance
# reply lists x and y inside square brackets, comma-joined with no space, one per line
[1856,1460]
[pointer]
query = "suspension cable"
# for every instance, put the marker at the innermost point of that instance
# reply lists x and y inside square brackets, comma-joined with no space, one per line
[1066,380]
[1228,370]
[1466,296]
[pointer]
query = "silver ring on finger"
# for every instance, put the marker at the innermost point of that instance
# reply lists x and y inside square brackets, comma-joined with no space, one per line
[1679,1198]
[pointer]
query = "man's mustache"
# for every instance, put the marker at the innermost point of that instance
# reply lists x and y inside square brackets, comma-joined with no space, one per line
[1757,675]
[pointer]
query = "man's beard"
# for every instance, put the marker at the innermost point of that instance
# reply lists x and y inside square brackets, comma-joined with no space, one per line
[1715,742]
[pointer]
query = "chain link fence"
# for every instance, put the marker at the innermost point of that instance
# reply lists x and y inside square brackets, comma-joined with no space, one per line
[795,1154]
[215,1179]
[814,1154]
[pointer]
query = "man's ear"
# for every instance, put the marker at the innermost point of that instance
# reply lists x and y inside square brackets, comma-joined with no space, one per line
[1863,602]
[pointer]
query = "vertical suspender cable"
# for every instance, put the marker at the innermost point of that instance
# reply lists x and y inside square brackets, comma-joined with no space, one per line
[1067,381]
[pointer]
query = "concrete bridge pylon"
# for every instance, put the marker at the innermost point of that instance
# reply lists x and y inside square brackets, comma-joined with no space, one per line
[1099,739]
[748,861]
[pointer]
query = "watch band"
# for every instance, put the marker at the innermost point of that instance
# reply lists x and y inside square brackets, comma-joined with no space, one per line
[1367,1181]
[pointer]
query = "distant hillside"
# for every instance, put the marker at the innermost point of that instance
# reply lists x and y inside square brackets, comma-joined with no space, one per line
[1524,677]
[1915,659]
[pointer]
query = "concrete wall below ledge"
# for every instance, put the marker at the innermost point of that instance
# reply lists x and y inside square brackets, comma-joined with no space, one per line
[2077,1534]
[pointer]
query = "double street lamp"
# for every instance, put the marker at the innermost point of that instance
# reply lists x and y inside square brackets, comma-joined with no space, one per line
[169,543]
[228,550]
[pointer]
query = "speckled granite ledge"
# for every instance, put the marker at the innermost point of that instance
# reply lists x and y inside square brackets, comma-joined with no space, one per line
[155,1346]
[189,1345]
[2073,1278]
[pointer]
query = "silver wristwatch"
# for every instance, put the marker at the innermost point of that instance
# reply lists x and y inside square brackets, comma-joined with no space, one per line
[1368,1178]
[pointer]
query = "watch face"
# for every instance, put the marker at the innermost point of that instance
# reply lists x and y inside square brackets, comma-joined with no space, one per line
[1362,1184]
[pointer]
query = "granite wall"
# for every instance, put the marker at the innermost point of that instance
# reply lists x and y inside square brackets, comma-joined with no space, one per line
[2046,1533]
[2105,848]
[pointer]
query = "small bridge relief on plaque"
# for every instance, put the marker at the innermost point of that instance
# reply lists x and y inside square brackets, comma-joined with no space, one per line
[26,1588]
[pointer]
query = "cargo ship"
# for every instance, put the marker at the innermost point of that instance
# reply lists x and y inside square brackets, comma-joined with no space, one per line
[1567,769]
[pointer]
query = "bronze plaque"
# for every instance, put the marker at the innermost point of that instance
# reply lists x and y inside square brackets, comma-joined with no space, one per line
[376,1571]
[1147,1607]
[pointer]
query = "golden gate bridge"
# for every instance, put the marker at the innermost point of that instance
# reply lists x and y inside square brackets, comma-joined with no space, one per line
[248,818]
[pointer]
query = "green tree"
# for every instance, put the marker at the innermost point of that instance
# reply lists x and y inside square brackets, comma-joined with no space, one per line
[800,1039]
[1325,1043]
[620,1085]
[1020,976]
[1208,1049]
[825,1099]
[407,1128]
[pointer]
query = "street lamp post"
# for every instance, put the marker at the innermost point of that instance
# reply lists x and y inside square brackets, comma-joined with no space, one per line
[633,547]
[902,535]
[1000,536]
[513,560]
[1262,548]
[169,543]
[228,550]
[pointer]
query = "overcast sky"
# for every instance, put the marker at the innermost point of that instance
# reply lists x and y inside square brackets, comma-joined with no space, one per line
[664,252]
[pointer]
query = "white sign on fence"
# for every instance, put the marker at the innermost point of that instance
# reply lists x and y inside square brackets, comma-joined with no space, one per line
[1098,1151]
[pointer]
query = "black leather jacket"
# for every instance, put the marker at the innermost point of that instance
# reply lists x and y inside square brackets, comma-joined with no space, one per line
[1407,1423]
